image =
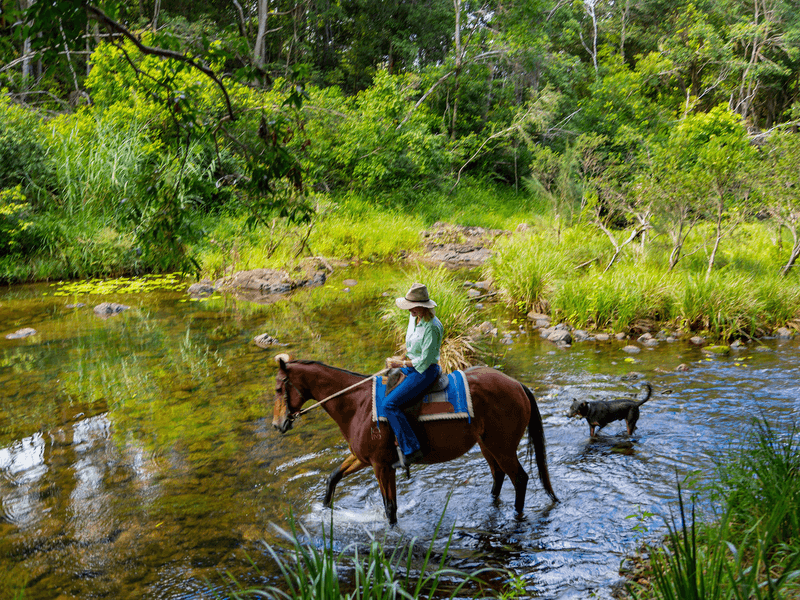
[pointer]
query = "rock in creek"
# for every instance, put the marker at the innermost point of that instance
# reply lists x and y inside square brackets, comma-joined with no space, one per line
[21,333]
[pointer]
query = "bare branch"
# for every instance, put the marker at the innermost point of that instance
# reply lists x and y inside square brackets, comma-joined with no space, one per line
[113,25]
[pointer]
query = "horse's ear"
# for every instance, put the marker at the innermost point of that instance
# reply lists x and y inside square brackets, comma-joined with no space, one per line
[282,359]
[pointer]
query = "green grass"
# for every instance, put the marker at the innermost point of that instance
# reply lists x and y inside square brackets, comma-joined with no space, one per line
[752,551]
[315,573]
[525,268]
[616,299]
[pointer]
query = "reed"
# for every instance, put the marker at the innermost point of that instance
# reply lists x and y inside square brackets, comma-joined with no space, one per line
[525,269]
[724,304]
[97,161]
[753,550]
[615,299]
[313,573]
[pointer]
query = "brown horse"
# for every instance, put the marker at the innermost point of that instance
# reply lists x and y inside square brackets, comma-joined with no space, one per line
[502,406]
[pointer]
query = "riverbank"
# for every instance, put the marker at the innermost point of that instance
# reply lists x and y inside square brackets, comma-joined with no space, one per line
[535,265]
[752,548]
[577,274]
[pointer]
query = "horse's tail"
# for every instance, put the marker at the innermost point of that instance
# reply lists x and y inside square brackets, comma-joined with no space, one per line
[536,442]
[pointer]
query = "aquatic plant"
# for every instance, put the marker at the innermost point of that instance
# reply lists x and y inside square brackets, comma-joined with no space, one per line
[311,572]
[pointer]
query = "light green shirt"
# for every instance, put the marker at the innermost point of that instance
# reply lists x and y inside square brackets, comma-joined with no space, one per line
[423,341]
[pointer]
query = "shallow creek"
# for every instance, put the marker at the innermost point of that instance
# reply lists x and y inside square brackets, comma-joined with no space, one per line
[137,458]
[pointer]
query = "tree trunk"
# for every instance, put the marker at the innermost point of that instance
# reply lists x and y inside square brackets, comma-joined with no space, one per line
[457,70]
[795,253]
[259,49]
[26,50]
[156,12]
[717,238]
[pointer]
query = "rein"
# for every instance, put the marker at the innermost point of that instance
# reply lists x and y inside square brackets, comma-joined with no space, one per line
[339,393]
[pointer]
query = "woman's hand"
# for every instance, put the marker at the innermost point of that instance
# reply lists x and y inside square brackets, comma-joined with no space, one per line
[396,362]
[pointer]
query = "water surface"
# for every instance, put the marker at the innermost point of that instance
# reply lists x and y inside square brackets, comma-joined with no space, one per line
[137,458]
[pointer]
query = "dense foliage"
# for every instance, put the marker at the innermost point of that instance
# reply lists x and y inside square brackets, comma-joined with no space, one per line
[129,124]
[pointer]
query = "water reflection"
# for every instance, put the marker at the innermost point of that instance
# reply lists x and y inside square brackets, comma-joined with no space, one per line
[137,458]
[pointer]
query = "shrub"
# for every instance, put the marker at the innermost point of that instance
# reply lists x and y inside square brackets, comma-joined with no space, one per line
[13,220]
[22,149]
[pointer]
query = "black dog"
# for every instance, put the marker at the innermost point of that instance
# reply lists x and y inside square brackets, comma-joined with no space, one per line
[601,413]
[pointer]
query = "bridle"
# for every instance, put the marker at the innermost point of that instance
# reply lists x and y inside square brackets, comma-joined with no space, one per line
[291,417]
[303,399]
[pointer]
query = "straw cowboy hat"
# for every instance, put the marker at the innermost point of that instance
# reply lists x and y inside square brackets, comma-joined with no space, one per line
[417,295]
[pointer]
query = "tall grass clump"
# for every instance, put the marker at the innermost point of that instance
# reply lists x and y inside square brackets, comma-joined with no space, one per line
[778,297]
[312,573]
[762,484]
[454,309]
[753,551]
[615,299]
[525,269]
[97,162]
[724,303]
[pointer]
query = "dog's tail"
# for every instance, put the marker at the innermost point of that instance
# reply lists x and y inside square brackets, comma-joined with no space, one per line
[536,440]
[647,394]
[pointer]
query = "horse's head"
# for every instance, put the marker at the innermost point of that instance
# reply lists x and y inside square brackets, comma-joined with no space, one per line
[288,399]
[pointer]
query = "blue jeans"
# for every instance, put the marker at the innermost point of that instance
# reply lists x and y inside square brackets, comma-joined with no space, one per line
[402,396]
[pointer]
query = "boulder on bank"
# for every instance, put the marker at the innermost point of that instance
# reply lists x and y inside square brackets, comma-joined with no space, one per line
[268,285]
[201,289]
[458,245]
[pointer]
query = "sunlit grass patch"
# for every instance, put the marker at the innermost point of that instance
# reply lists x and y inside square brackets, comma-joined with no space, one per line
[615,299]
[525,268]
[357,229]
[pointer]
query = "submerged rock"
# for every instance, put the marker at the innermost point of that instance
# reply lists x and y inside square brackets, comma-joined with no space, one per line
[21,333]
[265,340]
[719,349]
[109,309]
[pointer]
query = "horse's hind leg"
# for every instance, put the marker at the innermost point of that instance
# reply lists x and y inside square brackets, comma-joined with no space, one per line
[509,464]
[498,476]
[350,465]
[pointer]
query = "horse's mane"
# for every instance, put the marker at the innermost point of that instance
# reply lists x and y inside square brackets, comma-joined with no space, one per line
[316,362]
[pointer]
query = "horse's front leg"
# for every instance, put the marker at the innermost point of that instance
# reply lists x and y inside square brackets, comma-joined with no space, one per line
[388,484]
[350,465]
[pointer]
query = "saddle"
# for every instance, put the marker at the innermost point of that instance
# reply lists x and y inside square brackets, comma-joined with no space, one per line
[395,376]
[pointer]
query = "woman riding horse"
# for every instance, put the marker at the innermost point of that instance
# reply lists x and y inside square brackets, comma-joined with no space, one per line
[421,368]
